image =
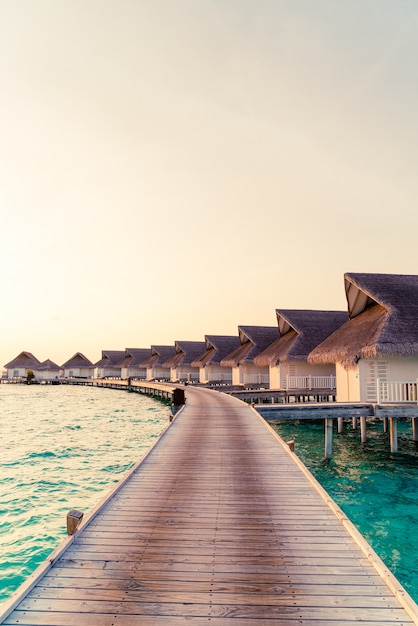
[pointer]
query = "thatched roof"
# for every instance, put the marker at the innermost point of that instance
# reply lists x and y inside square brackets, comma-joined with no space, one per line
[253,340]
[383,311]
[134,357]
[48,365]
[185,353]
[110,358]
[300,332]
[217,347]
[24,359]
[77,360]
[159,354]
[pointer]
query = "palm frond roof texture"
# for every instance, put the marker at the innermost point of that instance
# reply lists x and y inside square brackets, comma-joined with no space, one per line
[217,347]
[24,359]
[383,320]
[185,353]
[253,340]
[300,331]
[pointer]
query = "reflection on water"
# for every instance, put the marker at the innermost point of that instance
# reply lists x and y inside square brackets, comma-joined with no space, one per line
[377,490]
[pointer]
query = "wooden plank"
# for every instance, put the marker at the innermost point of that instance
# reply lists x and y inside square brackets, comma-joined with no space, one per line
[194,609]
[52,618]
[281,590]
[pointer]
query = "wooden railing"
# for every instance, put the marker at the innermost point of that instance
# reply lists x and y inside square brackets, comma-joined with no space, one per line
[397,391]
[310,382]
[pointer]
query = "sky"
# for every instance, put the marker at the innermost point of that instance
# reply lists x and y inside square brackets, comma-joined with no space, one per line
[177,168]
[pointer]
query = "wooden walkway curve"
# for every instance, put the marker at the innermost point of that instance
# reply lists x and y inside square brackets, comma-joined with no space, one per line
[218,524]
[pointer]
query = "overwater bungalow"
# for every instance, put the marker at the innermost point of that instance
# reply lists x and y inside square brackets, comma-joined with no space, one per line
[155,370]
[19,366]
[47,370]
[180,364]
[109,365]
[300,331]
[209,362]
[376,350]
[132,363]
[253,340]
[78,366]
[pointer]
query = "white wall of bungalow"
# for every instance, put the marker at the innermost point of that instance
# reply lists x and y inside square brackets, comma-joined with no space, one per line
[51,374]
[134,371]
[107,372]
[359,383]
[79,372]
[250,374]
[184,373]
[215,373]
[284,375]
[157,372]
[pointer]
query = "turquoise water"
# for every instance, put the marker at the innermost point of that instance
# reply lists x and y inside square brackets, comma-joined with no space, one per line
[62,447]
[378,491]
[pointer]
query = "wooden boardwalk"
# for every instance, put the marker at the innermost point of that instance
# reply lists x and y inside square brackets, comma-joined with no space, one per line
[219,524]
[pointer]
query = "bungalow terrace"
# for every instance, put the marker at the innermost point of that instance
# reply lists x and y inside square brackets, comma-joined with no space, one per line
[180,364]
[132,363]
[109,365]
[378,345]
[155,370]
[287,358]
[78,366]
[253,340]
[209,362]
[19,366]
[47,370]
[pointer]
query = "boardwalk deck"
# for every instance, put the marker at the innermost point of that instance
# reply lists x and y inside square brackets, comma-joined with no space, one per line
[219,524]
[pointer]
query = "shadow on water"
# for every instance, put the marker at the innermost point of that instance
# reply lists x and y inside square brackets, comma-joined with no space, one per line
[377,490]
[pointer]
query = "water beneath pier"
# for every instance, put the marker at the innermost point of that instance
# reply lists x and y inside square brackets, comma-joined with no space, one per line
[378,491]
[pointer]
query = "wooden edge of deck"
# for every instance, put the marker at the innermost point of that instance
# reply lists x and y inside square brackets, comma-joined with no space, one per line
[11,603]
[386,575]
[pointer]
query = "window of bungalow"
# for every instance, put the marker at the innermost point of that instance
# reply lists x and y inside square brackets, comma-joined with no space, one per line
[15,372]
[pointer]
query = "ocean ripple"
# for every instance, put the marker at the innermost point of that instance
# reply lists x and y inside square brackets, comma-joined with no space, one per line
[67,446]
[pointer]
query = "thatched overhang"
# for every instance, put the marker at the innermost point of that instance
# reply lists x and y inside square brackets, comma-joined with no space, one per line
[48,366]
[110,358]
[253,340]
[24,359]
[159,354]
[383,312]
[185,353]
[77,360]
[217,347]
[300,332]
[134,357]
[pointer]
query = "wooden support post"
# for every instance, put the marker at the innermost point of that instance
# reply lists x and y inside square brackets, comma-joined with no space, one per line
[340,425]
[385,424]
[415,428]
[328,437]
[363,429]
[355,423]
[74,518]
[291,445]
[393,434]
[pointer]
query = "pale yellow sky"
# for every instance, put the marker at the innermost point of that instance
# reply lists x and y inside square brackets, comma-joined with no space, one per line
[178,168]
